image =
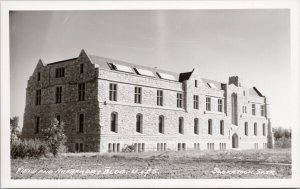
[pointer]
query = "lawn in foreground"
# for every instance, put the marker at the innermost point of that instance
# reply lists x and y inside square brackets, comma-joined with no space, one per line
[270,163]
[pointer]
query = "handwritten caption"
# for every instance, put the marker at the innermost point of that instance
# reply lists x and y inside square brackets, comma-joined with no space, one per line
[243,172]
[105,171]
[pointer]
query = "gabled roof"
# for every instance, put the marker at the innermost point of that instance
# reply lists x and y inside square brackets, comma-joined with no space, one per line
[184,76]
[255,92]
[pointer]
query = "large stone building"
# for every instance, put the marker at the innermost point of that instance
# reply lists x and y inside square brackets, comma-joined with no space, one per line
[106,104]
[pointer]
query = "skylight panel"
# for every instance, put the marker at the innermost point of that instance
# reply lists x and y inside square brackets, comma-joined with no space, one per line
[211,85]
[166,76]
[123,68]
[145,72]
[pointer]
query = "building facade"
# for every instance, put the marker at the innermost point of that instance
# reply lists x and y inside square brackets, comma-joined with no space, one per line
[107,104]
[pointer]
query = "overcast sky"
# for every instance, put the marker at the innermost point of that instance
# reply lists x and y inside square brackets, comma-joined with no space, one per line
[253,44]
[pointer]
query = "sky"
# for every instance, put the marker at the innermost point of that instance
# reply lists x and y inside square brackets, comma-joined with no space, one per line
[253,44]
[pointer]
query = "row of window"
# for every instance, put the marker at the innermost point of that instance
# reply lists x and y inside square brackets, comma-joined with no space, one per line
[59,92]
[60,72]
[262,110]
[255,129]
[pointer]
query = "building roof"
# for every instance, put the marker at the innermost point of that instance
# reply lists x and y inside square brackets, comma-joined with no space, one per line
[255,92]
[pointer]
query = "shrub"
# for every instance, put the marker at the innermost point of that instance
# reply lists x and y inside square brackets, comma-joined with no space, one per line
[283,142]
[28,148]
[128,148]
[55,137]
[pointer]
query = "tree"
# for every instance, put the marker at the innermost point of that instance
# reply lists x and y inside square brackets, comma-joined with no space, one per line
[55,137]
[14,128]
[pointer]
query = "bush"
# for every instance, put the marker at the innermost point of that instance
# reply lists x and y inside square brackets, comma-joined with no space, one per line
[28,148]
[55,137]
[283,142]
[128,148]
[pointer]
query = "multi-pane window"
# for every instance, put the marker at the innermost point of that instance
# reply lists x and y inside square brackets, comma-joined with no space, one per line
[179,100]
[81,68]
[159,98]
[39,76]
[245,109]
[138,95]
[253,109]
[264,129]
[81,123]
[196,126]
[208,103]
[220,105]
[112,92]
[246,128]
[58,95]
[221,127]
[81,91]
[37,124]
[262,110]
[139,121]
[161,124]
[180,125]
[79,147]
[210,127]
[114,122]
[38,97]
[255,129]
[59,72]
[196,102]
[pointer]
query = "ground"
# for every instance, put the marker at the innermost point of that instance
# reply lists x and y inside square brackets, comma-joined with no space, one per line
[270,163]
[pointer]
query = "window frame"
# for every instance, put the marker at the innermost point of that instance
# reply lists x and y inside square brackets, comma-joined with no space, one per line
[196,102]
[208,103]
[138,95]
[113,92]
[81,91]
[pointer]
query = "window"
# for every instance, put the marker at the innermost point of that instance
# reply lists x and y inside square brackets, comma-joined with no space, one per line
[196,83]
[79,147]
[161,146]
[221,127]
[112,92]
[255,129]
[39,76]
[179,100]
[114,122]
[58,119]
[208,104]
[81,123]
[196,126]
[37,124]
[138,95]
[181,127]
[59,72]
[139,120]
[161,124]
[38,97]
[256,146]
[264,129]
[58,95]
[253,109]
[220,105]
[196,102]
[81,91]
[210,146]
[246,128]
[181,146]
[113,147]
[244,93]
[159,98]
[262,110]
[81,68]
[196,146]
[222,146]
[210,127]
[245,109]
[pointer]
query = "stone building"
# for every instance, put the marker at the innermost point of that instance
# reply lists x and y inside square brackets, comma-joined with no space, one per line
[106,104]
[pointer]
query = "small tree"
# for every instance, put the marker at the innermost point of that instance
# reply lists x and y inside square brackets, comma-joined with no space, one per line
[55,137]
[14,129]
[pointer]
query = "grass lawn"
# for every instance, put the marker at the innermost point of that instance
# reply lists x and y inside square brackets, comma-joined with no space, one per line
[270,163]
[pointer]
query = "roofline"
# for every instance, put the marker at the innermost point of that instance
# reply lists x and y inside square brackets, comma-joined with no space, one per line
[62,61]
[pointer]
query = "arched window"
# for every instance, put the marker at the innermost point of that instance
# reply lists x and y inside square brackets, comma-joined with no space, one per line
[246,128]
[181,126]
[114,122]
[255,129]
[161,125]
[210,127]
[221,127]
[196,126]
[139,123]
